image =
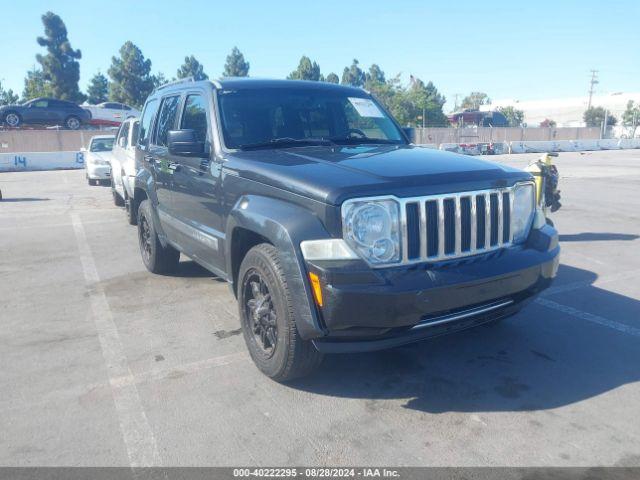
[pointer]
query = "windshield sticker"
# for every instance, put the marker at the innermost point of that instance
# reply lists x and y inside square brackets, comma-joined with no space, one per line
[366,108]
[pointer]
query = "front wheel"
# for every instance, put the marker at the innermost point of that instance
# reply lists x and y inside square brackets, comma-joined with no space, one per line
[129,208]
[268,318]
[118,201]
[156,258]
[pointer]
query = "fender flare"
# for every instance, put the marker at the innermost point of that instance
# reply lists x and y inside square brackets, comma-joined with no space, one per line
[285,225]
[145,182]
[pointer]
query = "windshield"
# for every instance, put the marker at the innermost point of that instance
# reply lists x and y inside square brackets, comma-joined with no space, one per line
[101,145]
[255,118]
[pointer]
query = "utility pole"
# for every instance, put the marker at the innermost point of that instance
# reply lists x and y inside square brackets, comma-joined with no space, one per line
[594,82]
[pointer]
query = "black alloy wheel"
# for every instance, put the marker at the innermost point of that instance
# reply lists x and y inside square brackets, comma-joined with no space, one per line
[260,313]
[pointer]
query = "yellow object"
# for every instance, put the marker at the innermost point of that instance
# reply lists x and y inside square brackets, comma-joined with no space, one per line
[317,289]
[536,170]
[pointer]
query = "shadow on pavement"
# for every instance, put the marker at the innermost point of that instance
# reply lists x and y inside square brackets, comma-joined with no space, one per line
[190,269]
[539,359]
[597,237]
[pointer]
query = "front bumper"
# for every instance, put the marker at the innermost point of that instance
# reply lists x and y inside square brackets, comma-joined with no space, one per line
[99,172]
[369,309]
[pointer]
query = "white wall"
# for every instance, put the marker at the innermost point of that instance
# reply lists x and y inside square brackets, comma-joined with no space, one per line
[16,162]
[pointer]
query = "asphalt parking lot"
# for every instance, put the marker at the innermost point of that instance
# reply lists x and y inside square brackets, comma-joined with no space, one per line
[106,364]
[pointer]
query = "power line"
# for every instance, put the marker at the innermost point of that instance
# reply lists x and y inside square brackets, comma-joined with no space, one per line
[594,82]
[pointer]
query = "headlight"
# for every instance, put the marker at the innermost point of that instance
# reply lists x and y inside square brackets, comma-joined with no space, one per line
[523,211]
[371,229]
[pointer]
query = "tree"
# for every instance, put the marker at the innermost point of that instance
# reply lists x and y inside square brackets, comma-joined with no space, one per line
[594,117]
[474,100]
[375,75]
[353,75]
[514,117]
[7,97]
[332,78]
[35,85]
[631,117]
[548,123]
[192,68]
[159,79]
[236,65]
[306,70]
[98,89]
[131,80]
[60,65]
[424,104]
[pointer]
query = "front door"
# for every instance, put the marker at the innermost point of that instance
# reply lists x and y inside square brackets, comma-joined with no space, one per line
[196,187]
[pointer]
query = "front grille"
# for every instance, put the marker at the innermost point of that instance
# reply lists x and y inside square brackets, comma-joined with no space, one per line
[443,227]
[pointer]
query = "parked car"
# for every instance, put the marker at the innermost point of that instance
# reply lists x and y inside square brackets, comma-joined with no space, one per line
[123,165]
[477,118]
[97,159]
[45,111]
[335,233]
[110,113]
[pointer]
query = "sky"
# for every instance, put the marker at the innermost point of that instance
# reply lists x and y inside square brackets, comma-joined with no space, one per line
[508,49]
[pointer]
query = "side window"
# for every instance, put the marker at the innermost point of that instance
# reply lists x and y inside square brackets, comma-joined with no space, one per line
[194,116]
[166,120]
[123,134]
[40,104]
[150,110]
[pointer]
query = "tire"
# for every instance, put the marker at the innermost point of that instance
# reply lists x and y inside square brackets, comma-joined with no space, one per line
[92,182]
[156,258]
[72,123]
[12,119]
[280,353]
[549,222]
[118,201]
[132,218]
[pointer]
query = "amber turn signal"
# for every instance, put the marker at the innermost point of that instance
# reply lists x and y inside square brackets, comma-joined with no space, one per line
[317,289]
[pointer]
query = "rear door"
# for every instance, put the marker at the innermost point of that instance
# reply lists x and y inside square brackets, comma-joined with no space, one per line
[196,186]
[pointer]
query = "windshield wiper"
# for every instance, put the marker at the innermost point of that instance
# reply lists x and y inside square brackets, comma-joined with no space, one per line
[287,142]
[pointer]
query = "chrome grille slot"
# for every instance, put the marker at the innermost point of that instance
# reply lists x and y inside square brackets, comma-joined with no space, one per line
[442,227]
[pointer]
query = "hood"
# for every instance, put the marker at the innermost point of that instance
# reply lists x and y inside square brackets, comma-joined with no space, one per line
[333,174]
[93,156]
[14,106]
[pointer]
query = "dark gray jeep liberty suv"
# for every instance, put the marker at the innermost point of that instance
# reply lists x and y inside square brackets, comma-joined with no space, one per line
[335,233]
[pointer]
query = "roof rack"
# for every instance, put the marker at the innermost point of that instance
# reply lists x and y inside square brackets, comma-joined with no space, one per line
[175,82]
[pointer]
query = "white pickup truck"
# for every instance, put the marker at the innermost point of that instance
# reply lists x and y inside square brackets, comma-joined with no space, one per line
[123,166]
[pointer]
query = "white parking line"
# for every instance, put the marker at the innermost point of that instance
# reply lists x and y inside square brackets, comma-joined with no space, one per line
[126,381]
[137,434]
[589,317]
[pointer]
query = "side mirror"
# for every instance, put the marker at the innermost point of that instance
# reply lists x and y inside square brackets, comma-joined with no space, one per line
[183,143]
[122,142]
